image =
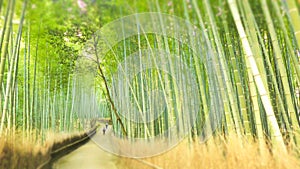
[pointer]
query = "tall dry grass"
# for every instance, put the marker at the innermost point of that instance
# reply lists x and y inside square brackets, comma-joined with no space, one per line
[234,153]
[18,152]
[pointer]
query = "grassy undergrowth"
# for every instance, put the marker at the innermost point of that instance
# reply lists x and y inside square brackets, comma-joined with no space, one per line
[234,153]
[19,152]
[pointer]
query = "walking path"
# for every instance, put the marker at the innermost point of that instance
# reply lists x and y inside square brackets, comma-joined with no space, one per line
[89,156]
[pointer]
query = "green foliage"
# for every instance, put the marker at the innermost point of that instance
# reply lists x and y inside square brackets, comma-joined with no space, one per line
[56,31]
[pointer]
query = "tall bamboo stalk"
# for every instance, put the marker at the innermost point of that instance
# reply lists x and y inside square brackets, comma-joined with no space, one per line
[294,14]
[257,77]
[4,43]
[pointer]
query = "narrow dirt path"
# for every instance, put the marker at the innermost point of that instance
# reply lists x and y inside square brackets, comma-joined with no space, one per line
[89,156]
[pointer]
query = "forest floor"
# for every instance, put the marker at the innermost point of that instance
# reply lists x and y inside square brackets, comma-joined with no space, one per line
[234,153]
[90,156]
[21,151]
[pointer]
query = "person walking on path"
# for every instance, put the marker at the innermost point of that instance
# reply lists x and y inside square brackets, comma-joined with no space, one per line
[104,129]
[106,125]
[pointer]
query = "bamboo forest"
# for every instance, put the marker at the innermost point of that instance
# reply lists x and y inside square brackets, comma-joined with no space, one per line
[138,84]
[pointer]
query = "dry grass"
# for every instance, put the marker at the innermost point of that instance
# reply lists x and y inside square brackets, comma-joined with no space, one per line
[14,153]
[26,153]
[232,154]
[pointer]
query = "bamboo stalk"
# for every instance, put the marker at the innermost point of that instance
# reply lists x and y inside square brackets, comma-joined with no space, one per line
[294,17]
[4,43]
[12,68]
[279,59]
[257,77]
